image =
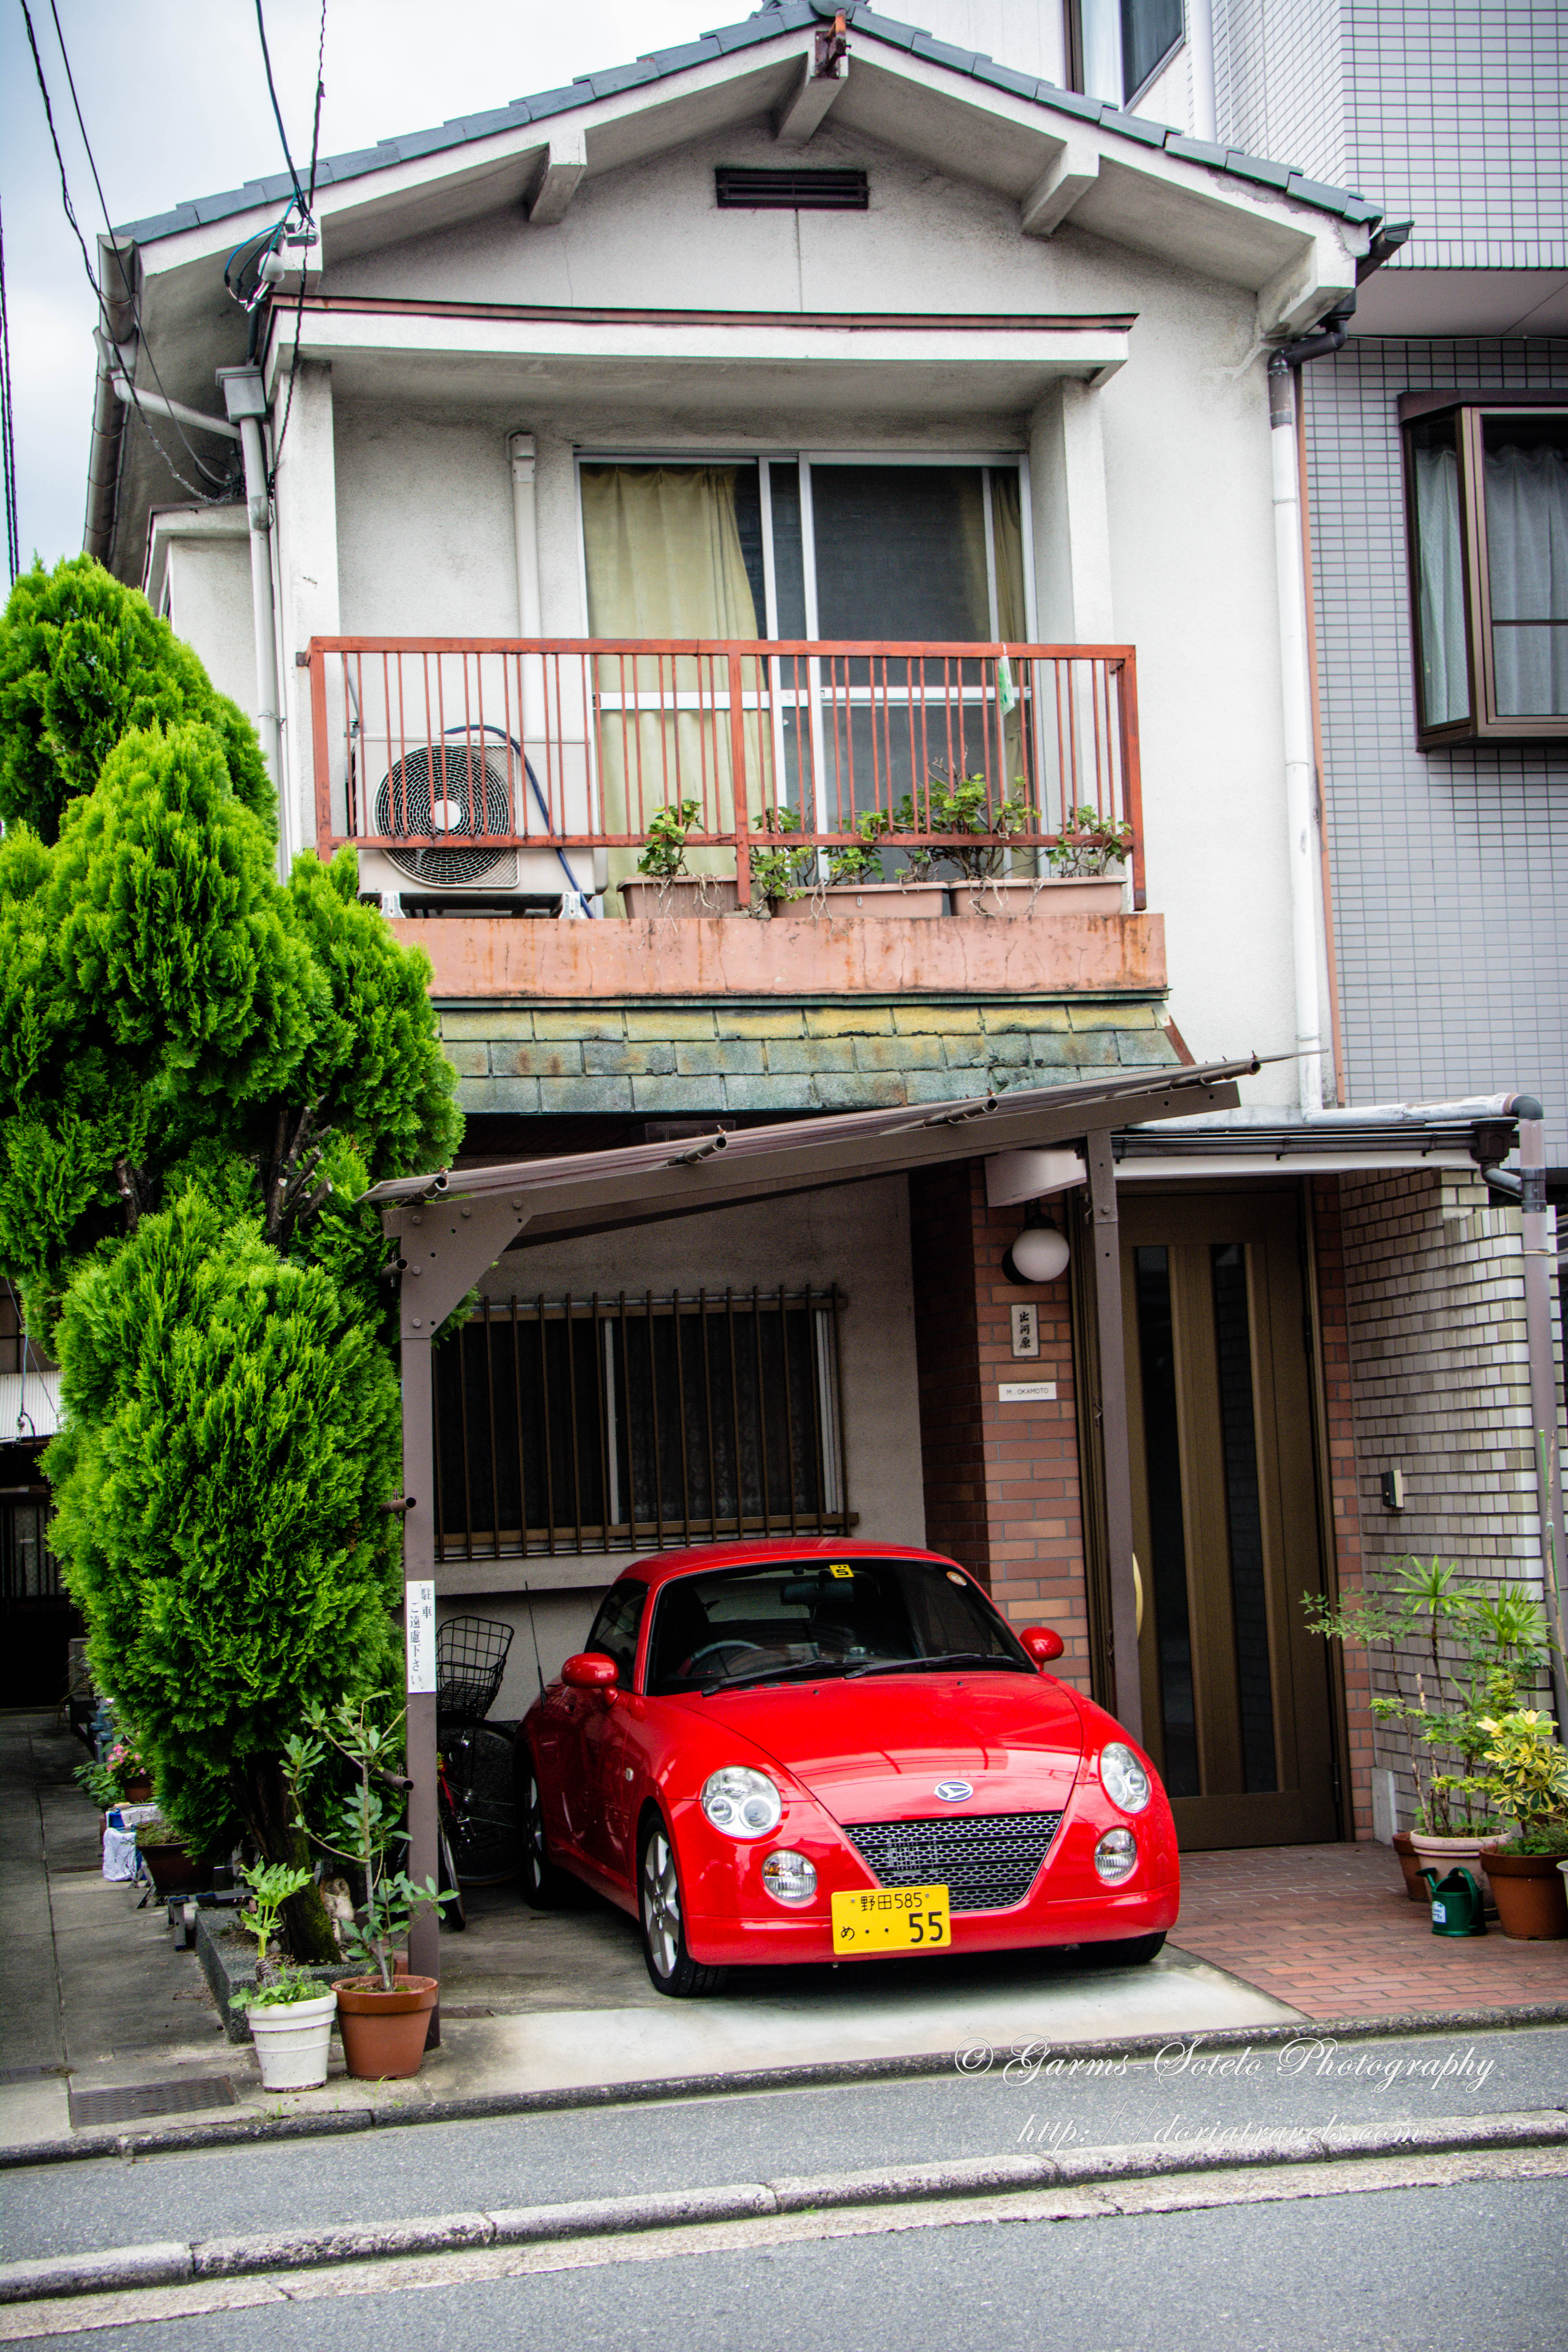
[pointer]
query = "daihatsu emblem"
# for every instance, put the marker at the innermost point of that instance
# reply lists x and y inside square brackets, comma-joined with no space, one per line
[953,1792]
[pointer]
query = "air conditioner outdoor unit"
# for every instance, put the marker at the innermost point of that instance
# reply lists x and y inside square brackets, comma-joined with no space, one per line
[443,799]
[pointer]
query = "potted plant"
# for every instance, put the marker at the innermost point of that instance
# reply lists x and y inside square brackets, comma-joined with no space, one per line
[384,2016]
[779,875]
[132,1780]
[855,883]
[171,1866]
[1441,1708]
[1527,1772]
[290,2012]
[665,887]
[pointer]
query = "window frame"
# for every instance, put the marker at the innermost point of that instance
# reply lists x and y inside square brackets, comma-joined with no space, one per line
[1470,410]
[1073,48]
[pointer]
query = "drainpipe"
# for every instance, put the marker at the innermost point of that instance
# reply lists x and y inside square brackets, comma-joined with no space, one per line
[116,266]
[1296,709]
[245,398]
[1200,43]
[1543,1399]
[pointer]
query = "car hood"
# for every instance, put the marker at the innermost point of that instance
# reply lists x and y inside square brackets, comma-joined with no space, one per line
[875,1750]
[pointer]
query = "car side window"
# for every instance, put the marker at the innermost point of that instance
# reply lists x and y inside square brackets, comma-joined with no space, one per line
[614,1632]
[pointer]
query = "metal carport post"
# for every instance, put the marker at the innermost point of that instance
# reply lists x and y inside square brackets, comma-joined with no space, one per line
[449,1229]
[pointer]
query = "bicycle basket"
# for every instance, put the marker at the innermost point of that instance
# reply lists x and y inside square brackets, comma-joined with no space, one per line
[471,1659]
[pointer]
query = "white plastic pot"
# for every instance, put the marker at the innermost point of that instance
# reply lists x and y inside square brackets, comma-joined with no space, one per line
[291,2039]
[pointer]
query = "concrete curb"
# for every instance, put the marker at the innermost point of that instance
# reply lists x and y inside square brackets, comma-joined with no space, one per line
[492,2105]
[116,2269]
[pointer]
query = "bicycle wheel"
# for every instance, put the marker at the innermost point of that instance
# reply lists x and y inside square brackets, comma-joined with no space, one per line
[453,1914]
[479,1769]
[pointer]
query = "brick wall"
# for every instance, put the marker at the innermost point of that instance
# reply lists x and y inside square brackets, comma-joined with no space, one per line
[1001,1480]
[1440,1386]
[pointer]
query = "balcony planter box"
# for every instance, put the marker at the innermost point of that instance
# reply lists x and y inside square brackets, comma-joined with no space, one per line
[919,900]
[689,893]
[1531,1893]
[1085,894]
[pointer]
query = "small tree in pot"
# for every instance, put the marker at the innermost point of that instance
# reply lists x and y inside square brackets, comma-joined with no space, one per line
[1527,1772]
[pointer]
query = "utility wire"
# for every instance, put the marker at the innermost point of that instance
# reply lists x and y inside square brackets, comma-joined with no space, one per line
[305,224]
[277,110]
[204,496]
[7,431]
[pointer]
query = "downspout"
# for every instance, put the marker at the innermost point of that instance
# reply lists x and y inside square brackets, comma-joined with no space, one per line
[118,325]
[1296,713]
[1543,1397]
[245,398]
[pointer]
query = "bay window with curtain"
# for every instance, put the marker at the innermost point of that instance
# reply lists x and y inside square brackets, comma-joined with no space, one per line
[1487,515]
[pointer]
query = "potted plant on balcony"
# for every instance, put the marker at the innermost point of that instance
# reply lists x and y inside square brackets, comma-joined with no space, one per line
[1088,859]
[1527,1772]
[384,2015]
[779,875]
[290,2012]
[665,887]
[855,883]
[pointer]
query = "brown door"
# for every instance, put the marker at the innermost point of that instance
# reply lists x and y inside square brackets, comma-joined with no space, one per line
[1225,1513]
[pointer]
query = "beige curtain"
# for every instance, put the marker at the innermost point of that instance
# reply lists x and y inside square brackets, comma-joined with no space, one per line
[664,559]
[1012,627]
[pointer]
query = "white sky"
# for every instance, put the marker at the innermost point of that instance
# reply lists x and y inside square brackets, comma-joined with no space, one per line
[175,103]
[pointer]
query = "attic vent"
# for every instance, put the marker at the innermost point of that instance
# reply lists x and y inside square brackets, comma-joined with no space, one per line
[740,189]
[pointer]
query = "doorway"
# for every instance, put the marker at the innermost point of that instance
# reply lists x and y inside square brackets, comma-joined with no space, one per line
[1237,1706]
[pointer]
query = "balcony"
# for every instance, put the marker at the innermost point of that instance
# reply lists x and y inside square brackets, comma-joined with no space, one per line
[482,764]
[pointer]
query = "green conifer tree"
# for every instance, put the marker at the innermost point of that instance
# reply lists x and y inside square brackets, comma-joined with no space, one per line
[200,1070]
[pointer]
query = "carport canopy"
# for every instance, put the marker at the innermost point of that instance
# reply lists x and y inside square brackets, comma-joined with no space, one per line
[449,1227]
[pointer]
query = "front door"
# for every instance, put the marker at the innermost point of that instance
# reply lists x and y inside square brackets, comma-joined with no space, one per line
[1224,1509]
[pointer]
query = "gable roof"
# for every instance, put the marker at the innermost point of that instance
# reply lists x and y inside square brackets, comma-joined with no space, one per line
[778,16]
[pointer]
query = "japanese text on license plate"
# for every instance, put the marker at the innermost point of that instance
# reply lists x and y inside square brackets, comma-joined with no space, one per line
[891,1919]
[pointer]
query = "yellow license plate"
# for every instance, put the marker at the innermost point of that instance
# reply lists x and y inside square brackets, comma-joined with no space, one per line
[891,1919]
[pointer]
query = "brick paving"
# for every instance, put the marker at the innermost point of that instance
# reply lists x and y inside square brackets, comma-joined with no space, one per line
[1329,1929]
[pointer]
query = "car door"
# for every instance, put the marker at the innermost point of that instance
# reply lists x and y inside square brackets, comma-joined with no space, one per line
[595,1736]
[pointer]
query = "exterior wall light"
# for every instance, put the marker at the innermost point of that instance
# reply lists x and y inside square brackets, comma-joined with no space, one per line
[1040,1253]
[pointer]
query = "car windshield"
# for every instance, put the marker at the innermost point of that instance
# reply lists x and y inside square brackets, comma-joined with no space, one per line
[787,1620]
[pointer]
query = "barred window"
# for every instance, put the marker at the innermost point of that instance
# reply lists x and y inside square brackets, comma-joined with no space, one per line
[634,1423]
[28,1568]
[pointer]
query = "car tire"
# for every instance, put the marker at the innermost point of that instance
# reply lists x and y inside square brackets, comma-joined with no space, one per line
[660,1911]
[1131,1952]
[545,1886]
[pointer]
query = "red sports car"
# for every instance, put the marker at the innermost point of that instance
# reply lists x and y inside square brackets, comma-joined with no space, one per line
[829,1751]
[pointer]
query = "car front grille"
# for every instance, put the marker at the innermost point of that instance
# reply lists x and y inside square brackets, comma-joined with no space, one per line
[986,1861]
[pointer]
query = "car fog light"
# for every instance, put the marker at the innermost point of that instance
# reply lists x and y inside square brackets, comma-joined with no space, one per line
[1123,1779]
[1116,1854]
[741,1803]
[789,1878]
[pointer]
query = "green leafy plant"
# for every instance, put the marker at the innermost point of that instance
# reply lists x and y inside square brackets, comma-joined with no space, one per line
[1091,844]
[285,1986]
[1477,1649]
[861,860]
[961,806]
[158,1832]
[361,1824]
[1526,1770]
[271,1884]
[98,1784]
[779,875]
[664,859]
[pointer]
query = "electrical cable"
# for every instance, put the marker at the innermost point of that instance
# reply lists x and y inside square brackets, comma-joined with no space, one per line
[306,224]
[204,498]
[7,431]
[277,110]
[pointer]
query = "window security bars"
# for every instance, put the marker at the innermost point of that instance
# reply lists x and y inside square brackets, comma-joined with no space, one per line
[473,761]
[639,1422]
[28,1568]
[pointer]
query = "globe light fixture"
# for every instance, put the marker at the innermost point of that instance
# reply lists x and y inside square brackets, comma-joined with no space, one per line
[1040,1254]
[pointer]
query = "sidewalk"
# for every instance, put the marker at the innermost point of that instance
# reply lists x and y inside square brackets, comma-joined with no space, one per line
[94,1998]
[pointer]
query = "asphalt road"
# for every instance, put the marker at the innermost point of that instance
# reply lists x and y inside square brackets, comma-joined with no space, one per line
[1478,2265]
[1015,2106]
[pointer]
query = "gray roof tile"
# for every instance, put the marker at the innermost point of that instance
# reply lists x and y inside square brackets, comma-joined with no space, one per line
[768,24]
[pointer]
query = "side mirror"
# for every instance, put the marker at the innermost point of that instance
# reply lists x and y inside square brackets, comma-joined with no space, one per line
[590,1670]
[1042,1643]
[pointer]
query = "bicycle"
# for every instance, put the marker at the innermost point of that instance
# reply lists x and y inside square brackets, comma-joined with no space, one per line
[474,1797]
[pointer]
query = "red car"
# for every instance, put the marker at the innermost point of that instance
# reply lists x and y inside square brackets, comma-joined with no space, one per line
[826,1750]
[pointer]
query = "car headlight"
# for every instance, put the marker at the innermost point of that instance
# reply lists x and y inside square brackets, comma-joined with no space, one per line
[789,1878]
[741,1803]
[1116,1855]
[1123,1779]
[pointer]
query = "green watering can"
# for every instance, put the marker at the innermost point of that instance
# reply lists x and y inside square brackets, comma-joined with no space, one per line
[1458,1904]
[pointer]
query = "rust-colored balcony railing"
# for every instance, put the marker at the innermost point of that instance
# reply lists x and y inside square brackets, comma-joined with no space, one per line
[511,762]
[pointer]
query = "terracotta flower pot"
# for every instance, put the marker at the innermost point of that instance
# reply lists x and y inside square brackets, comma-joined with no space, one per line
[383,2033]
[1532,1894]
[137,1792]
[1410,1864]
[1446,1853]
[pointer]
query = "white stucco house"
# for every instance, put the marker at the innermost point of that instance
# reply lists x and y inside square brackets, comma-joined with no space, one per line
[556,424]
